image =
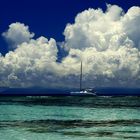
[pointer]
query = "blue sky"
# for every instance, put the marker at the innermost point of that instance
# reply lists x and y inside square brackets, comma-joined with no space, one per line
[102,34]
[49,17]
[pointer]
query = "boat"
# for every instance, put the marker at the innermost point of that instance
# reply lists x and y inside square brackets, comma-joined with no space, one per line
[82,91]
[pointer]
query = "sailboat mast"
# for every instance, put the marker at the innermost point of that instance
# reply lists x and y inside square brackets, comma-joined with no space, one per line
[81,74]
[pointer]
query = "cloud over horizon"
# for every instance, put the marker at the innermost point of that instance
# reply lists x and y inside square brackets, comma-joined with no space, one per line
[17,34]
[107,42]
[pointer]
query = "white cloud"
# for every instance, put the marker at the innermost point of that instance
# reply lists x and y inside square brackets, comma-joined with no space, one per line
[29,63]
[131,23]
[109,45]
[17,34]
[107,42]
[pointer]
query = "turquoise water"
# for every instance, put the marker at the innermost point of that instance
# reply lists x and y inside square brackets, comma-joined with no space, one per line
[70,118]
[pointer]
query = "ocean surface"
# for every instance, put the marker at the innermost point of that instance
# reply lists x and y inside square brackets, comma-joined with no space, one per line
[70,118]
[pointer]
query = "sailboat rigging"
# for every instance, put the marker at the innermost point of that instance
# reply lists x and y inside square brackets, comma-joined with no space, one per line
[83,91]
[81,77]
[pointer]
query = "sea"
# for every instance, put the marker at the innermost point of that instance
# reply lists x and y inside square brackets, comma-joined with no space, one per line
[70,118]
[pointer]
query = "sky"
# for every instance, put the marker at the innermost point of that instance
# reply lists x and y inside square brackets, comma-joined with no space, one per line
[35,34]
[49,17]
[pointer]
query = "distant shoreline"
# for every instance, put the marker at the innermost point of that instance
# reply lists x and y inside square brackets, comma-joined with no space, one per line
[67,92]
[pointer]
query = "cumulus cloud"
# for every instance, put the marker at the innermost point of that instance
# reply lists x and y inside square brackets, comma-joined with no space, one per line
[106,42]
[94,28]
[17,34]
[29,63]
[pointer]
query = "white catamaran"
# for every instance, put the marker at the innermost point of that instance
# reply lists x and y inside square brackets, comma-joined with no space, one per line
[83,91]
